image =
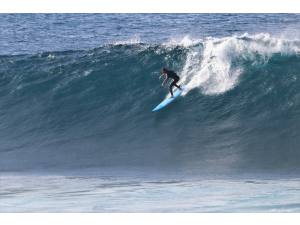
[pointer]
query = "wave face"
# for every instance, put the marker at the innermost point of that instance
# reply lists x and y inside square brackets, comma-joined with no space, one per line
[92,109]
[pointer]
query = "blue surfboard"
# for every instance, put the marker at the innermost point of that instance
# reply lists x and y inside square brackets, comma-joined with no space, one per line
[167,101]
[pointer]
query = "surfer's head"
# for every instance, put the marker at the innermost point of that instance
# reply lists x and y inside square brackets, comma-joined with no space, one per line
[164,70]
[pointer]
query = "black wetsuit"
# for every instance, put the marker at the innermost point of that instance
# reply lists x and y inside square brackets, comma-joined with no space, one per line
[171,74]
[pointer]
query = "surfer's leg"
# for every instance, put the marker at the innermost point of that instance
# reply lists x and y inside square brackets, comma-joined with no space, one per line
[175,83]
[171,87]
[178,86]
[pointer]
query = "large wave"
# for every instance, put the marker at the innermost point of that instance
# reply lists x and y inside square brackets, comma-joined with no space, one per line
[92,108]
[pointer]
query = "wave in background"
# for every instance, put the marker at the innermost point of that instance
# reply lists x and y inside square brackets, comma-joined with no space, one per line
[92,109]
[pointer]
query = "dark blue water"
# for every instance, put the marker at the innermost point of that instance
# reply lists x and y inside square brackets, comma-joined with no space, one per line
[77,90]
[31,33]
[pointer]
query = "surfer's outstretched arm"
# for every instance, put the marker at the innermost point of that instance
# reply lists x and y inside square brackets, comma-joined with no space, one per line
[163,83]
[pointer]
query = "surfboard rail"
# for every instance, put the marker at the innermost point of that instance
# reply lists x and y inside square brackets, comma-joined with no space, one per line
[167,101]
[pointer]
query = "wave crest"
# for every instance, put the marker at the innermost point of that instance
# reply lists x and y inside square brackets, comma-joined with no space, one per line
[216,65]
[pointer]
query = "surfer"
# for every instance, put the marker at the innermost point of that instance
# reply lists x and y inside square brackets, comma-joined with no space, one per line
[169,74]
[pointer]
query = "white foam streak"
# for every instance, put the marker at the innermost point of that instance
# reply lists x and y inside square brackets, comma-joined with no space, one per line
[186,41]
[131,41]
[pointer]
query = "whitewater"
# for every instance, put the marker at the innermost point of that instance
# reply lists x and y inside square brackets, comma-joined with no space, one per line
[76,125]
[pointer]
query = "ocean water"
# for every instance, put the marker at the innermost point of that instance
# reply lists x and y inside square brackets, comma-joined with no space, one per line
[107,194]
[76,129]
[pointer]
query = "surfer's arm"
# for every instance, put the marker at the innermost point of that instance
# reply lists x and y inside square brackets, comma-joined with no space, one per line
[163,83]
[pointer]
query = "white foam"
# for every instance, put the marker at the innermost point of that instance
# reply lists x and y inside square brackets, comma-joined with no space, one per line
[87,72]
[186,41]
[47,193]
[134,40]
[51,56]
[210,68]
